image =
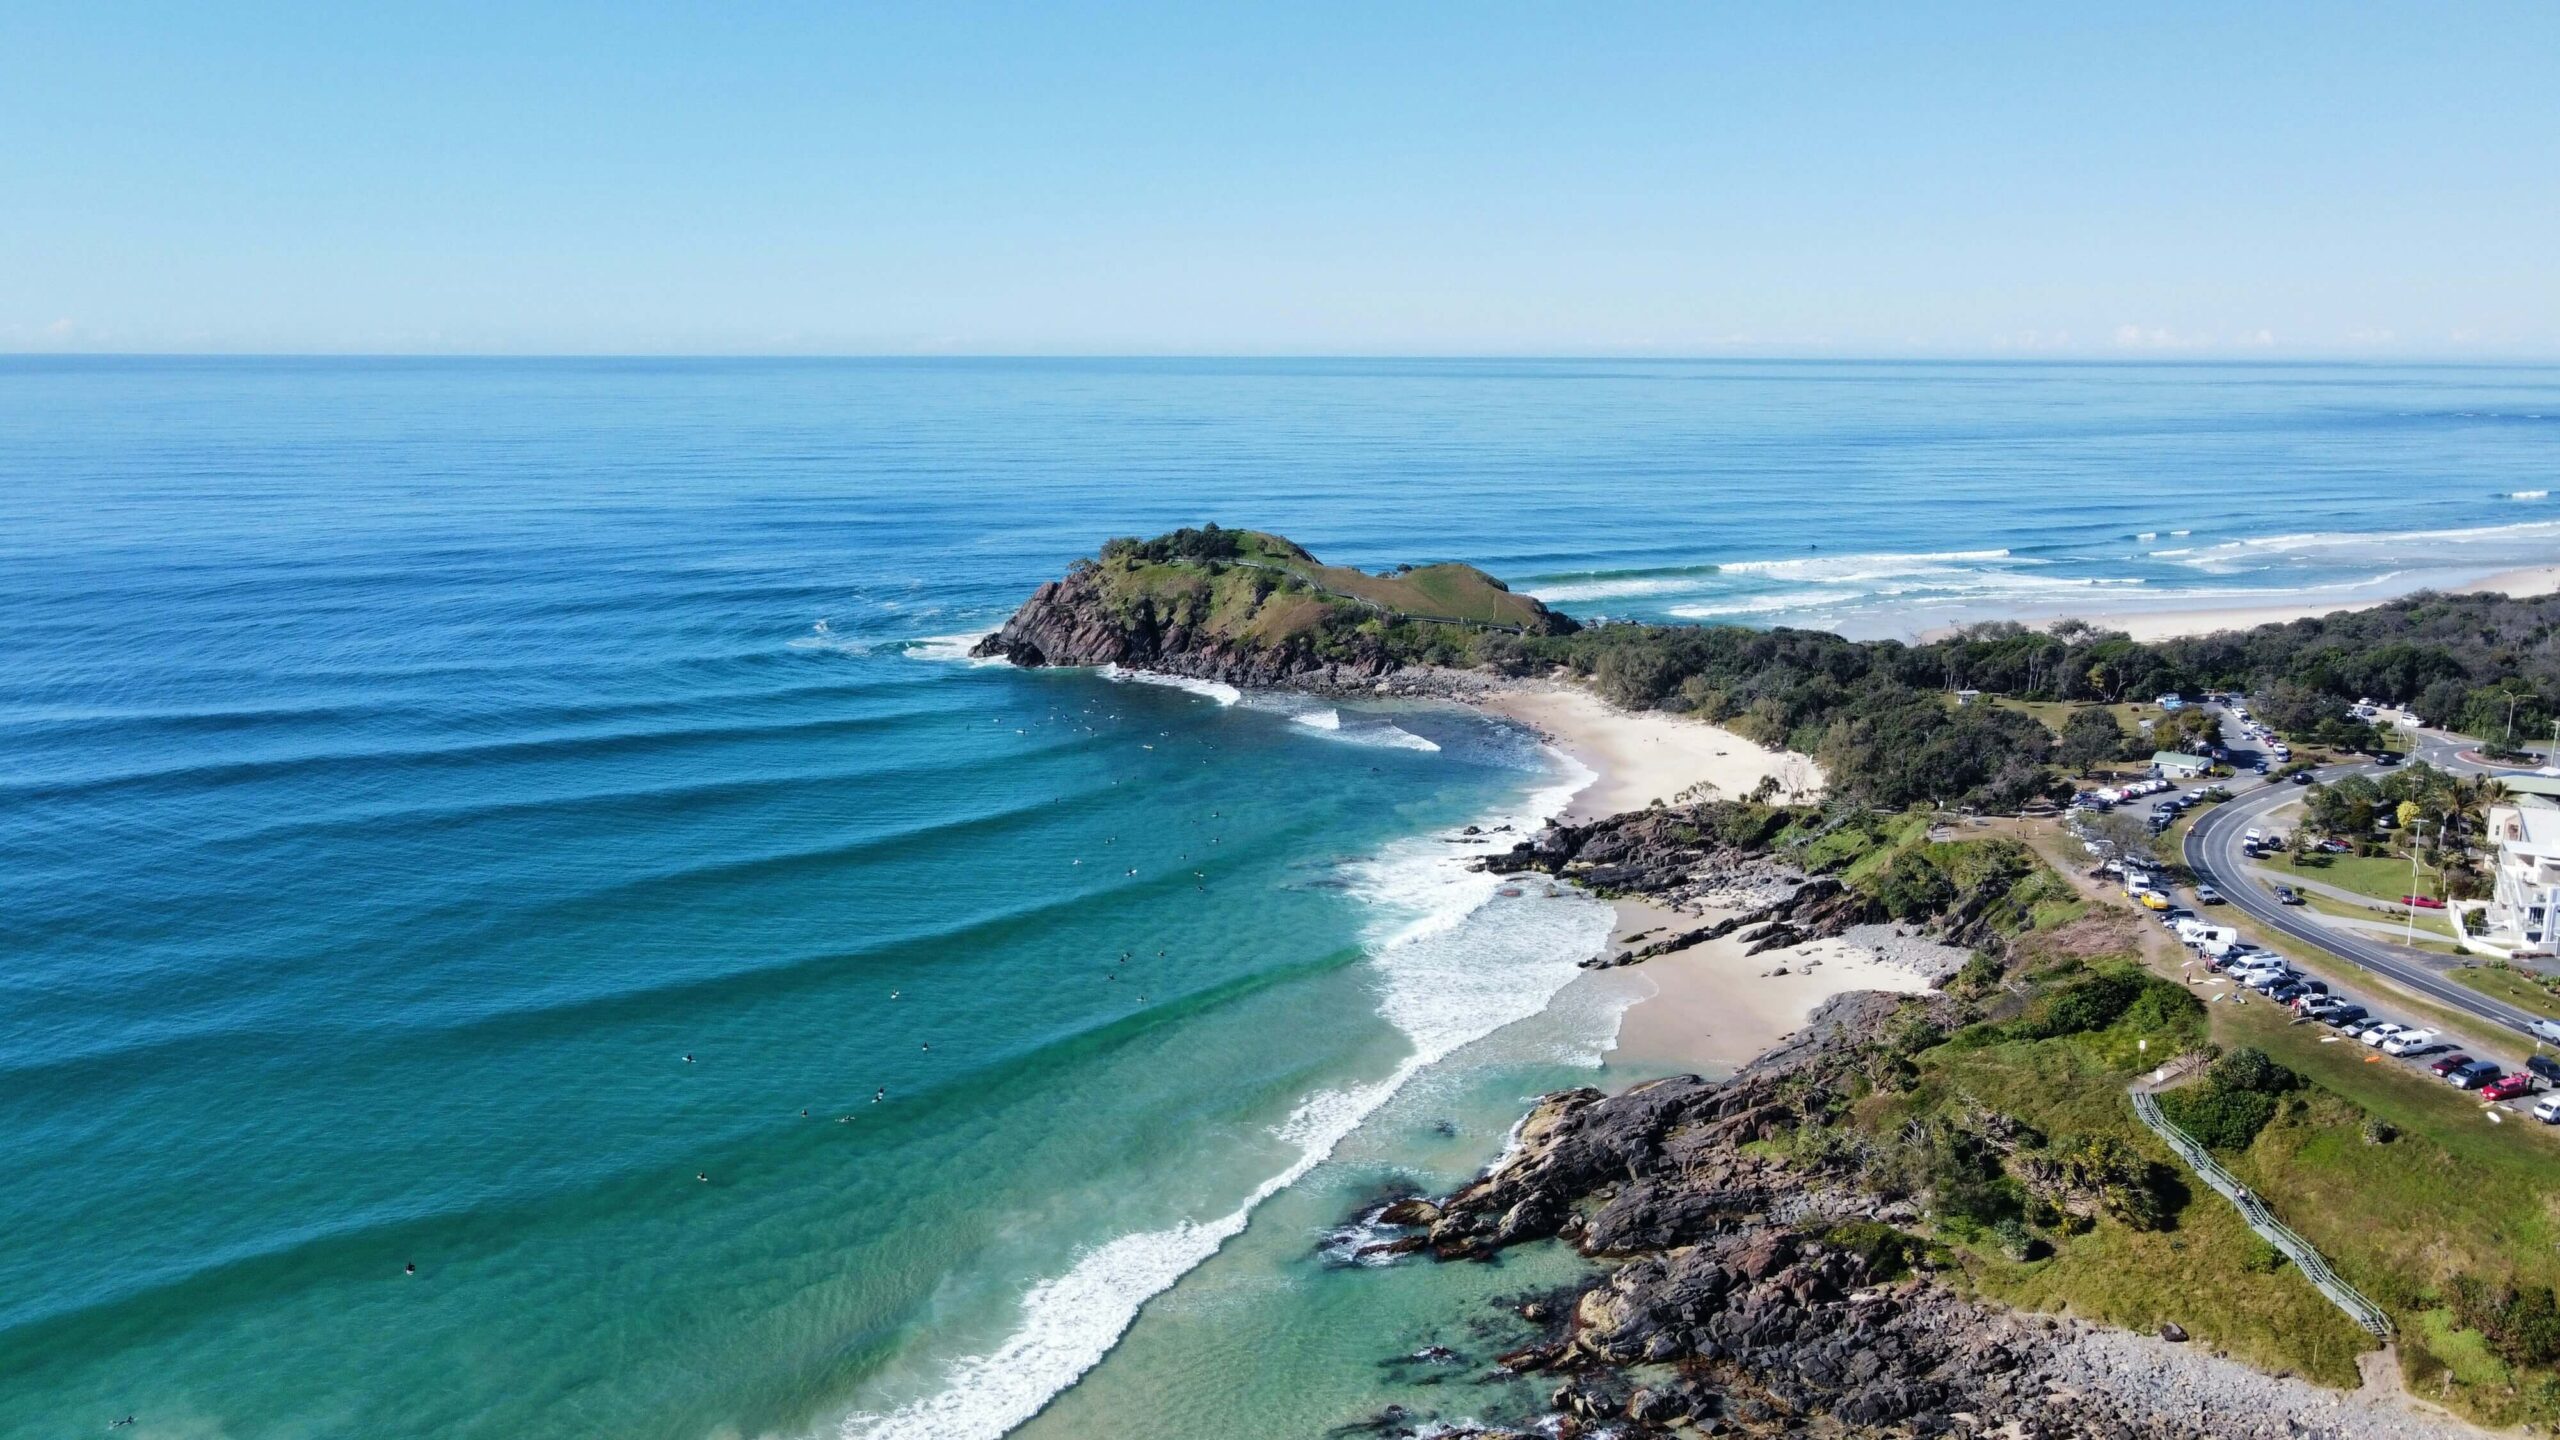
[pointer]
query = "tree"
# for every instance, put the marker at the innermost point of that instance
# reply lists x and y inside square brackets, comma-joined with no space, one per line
[2090,735]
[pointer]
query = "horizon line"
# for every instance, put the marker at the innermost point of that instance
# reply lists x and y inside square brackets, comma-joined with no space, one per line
[2422,359]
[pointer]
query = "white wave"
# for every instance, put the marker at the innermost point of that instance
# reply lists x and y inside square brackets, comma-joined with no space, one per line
[1878,566]
[1616,589]
[2182,532]
[951,648]
[2148,535]
[2528,540]
[1767,604]
[1453,964]
[1219,691]
[2528,494]
[1327,719]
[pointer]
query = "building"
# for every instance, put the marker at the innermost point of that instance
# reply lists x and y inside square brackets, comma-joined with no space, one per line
[2178,765]
[2524,903]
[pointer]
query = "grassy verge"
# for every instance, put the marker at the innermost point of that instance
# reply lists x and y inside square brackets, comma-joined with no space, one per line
[2379,876]
[2504,982]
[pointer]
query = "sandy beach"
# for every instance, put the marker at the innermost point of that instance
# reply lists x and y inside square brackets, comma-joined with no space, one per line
[1713,1009]
[1710,1008]
[1643,757]
[2166,624]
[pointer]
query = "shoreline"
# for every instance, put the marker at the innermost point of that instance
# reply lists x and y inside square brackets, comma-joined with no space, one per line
[1710,1008]
[2186,623]
[1639,758]
[1714,1009]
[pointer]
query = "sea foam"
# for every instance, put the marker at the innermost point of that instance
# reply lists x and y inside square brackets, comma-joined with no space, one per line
[1219,691]
[1453,963]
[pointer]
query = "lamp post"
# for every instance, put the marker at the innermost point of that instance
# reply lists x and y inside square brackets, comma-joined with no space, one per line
[2409,931]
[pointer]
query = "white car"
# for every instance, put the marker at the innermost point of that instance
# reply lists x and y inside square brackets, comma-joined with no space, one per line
[2384,1031]
[2547,1109]
[2251,836]
[2408,1042]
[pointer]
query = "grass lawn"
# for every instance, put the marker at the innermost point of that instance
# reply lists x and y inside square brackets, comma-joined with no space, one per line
[2380,876]
[2513,986]
[2452,1193]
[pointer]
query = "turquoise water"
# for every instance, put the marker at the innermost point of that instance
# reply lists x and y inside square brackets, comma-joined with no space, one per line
[405,766]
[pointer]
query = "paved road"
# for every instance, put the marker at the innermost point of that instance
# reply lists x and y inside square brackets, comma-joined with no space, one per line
[2213,852]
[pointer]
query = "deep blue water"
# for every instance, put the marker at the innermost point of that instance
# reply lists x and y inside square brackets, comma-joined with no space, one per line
[405,765]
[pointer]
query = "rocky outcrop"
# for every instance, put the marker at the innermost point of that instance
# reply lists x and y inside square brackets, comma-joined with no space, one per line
[1082,620]
[1760,1297]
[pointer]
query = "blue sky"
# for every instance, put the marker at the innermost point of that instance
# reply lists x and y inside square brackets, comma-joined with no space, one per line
[2207,180]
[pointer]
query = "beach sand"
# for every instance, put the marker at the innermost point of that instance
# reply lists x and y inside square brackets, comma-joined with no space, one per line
[1713,1009]
[1709,1008]
[1643,757]
[2165,624]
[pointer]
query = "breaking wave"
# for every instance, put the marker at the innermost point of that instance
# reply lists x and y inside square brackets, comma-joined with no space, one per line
[1454,962]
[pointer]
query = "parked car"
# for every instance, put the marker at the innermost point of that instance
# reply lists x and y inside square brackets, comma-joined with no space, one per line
[2547,1109]
[2409,1042]
[2386,757]
[2207,895]
[2475,1075]
[2287,895]
[2448,1064]
[2544,1066]
[2336,847]
[2345,1016]
[2508,1087]
[2302,777]
[2381,1031]
[2252,835]
[2422,902]
[2260,767]
[2354,1026]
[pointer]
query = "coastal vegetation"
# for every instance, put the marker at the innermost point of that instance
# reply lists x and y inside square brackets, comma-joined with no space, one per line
[2045,1191]
[1875,713]
[1985,1127]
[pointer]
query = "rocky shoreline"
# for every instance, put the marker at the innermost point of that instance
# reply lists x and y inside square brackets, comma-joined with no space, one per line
[1747,1294]
[1758,1297]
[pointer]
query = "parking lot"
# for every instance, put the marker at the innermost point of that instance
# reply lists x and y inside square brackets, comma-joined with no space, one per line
[2511,1083]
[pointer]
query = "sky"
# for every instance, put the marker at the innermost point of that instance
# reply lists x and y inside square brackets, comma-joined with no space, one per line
[2158,181]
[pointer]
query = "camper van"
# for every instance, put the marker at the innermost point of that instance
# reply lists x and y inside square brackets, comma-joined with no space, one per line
[2214,939]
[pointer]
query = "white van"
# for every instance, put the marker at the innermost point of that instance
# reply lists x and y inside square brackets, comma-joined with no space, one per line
[2215,940]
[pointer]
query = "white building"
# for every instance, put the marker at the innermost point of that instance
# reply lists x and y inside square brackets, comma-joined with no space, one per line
[2524,906]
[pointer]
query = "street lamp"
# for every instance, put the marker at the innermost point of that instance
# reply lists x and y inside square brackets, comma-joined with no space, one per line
[2409,932]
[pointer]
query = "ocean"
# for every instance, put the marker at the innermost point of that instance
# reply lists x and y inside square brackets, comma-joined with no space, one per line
[534,821]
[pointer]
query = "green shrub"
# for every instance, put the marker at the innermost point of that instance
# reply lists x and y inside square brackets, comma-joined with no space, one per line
[2521,1323]
[1887,1251]
[2250,1068]
[2219,1119]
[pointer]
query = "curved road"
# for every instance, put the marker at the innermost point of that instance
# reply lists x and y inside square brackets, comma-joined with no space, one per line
[2213,852]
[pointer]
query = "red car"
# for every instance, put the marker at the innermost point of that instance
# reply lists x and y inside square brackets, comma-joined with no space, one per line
[2449,1064]
[2421,902]
[2508,1087]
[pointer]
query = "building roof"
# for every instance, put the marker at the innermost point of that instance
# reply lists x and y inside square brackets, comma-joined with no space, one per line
[2527,827]
[2179,760]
